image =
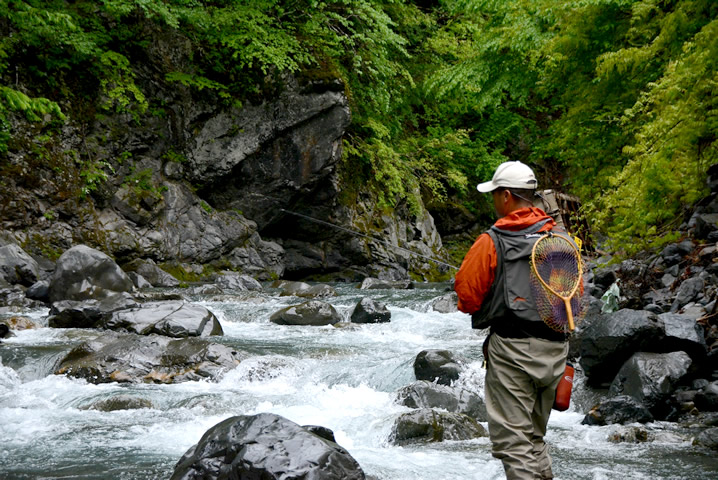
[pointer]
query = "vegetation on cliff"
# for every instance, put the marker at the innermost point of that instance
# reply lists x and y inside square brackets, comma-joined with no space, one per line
[613,100]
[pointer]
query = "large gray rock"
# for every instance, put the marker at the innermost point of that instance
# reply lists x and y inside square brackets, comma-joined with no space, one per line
[88,313]
[621,409]
[381,284]
[683,332]
[607,342]
[149,270]
[439,366]
[429,425]
[170,318]
[16,266]
[369,310]
[237,281]
[650,378]
[83,273]
[708,438]
[446,303]
[130,358]
[687,292]
[313,312]
[265,447]
[425,394]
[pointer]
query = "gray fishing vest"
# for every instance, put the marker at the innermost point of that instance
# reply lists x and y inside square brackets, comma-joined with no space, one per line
[510,294]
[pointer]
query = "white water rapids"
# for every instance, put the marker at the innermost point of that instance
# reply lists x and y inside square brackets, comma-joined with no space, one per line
[344,378]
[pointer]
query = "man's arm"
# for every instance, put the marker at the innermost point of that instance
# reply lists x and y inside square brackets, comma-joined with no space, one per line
[476,275]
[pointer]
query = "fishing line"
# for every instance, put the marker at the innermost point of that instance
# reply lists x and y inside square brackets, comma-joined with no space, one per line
[354,232]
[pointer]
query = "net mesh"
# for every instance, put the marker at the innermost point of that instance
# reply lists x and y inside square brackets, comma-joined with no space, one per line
[558,263]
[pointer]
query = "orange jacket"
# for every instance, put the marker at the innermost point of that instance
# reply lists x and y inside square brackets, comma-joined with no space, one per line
[476,275]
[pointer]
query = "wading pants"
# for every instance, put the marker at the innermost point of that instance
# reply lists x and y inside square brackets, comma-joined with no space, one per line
[521,385]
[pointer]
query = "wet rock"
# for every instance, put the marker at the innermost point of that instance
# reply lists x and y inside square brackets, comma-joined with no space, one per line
[377,284]
[17,267]
[313,312]
[649,378]
[88,313]
[289,289]
[369,310]
[130,358]
[148,269]
[20,323]
[706,399]
[607,342]
[684,333]
[120,402]
[176,319]
[267,447]
[83,273]
[629,435]
[428,425]
[621,409]
[425,394]
[707,438]
[5,331]
[446,303]
[440,366]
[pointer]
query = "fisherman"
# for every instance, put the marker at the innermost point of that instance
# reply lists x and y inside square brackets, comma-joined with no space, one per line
[526,358]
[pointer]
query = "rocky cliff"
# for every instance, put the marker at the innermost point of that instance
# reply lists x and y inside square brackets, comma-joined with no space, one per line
[196,184]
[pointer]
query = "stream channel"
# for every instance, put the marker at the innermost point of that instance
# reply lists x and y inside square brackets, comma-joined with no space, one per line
[342,378]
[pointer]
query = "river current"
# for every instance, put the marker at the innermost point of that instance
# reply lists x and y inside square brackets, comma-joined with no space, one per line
[344,378]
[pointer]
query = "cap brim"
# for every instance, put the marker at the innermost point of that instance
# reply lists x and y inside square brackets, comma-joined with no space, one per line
[486,187]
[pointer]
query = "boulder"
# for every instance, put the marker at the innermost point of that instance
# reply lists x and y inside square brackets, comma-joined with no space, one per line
[83,273]
[237,281]
[682,332]
[139,281]
[148,269]
[39,291]
[88,313]
[369,310]
[130,358]
[438,366]
[313,312]
[446,303]
[428,425]
[425,394]
[621,409]
[176,319]
[607,342]
[708,438]
[17,267]
[687,292]
[267,447]
[377,284]
[650,378]
[706,399]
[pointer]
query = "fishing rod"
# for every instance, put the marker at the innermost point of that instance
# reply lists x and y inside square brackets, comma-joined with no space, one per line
[354,232]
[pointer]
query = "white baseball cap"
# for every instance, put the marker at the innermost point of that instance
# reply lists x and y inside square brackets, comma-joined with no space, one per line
[510,175]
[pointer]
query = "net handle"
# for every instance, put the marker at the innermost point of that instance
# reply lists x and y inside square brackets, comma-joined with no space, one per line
[566,299]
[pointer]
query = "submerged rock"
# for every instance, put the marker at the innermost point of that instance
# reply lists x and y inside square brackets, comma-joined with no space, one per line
[267,447]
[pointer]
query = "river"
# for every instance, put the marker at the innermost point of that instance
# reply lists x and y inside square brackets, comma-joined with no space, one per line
[341,378]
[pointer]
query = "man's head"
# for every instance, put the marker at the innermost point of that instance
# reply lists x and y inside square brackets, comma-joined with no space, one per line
[513,187]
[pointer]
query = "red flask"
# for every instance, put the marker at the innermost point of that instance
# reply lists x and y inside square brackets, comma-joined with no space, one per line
[563,391]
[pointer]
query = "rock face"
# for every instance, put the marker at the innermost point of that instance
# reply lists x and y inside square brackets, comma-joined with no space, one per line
[83,273]
[313,312]
[268,447]
[131,358]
